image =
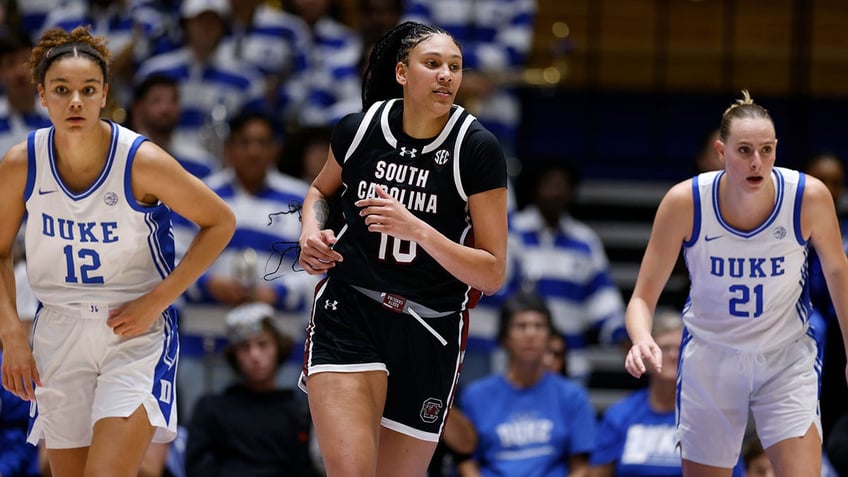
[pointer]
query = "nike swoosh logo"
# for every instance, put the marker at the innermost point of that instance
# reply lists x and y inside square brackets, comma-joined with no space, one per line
[45,192]
[707,238]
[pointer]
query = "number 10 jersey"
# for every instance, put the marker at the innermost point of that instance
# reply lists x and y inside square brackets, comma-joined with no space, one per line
[432,178]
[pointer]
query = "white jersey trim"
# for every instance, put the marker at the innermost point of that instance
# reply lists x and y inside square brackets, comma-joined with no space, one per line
[104,173]
[456,156]
[360,132]
[409,431]
[778,203]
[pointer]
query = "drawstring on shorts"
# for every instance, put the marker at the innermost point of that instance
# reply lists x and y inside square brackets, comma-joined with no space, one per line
[400,304]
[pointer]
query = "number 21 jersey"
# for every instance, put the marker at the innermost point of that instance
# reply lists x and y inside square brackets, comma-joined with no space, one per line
[748,288]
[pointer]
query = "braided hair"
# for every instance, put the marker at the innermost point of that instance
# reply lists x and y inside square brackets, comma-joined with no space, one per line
[378,81]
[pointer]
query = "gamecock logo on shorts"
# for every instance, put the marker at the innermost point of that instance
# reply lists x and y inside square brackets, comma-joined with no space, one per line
[431,409]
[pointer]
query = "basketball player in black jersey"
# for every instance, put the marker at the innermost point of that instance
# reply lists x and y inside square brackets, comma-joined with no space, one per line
[421,186]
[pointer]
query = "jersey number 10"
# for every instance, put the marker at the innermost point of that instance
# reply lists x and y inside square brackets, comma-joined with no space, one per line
[398,247]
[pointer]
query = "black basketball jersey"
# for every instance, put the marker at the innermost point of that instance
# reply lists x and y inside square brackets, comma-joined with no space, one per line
[432,178]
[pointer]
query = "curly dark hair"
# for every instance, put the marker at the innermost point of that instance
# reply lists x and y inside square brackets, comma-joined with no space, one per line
[57,43]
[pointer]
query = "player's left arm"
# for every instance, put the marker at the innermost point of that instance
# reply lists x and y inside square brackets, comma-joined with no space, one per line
[158,177]
[482,266]
[819,222]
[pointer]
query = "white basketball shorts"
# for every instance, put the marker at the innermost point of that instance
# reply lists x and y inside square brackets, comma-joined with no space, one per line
[88,373]
[717,385]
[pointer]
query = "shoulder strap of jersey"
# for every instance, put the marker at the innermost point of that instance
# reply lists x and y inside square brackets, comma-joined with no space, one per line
[363,127]
[463,129]
[32,144]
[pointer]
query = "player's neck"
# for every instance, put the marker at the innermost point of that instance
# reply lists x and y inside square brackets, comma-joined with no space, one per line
[746,210]
[419,126]
[79,151]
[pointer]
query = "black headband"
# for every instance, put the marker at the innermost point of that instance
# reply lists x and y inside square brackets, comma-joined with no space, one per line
[70,49]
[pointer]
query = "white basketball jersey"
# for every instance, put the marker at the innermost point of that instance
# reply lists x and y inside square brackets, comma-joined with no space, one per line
[97,245]
[748,288]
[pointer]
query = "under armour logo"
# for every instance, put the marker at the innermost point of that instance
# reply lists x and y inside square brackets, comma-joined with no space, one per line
[404,151]
[331,305]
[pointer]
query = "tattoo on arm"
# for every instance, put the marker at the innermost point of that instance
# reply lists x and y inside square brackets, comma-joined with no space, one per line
[322,212]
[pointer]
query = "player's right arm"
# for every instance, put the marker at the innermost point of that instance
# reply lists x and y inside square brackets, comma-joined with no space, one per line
[316,253]
[672,226]
[18,369]
[819,220]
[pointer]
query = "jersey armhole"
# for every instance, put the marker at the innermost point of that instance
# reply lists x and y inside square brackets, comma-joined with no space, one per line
[796,210]
[30,180]
[360,131]
[696,213]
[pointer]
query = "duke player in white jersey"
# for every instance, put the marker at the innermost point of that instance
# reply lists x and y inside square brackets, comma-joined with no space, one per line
[747,344]
[101,263]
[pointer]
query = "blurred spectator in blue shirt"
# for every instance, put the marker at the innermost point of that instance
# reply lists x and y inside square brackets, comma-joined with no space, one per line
[256,265]
[529,420]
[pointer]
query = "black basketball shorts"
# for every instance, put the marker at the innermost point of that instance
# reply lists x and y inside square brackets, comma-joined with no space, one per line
[355,330]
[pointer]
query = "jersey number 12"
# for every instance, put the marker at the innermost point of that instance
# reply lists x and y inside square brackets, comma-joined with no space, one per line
[89,261]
